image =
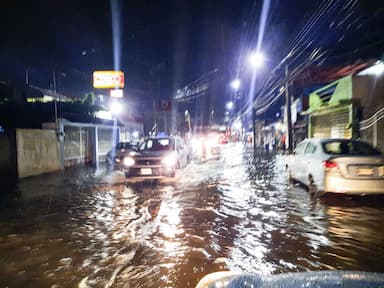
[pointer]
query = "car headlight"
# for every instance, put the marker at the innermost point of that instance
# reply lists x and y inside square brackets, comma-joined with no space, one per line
[129,161]
[169,160]
[117,160]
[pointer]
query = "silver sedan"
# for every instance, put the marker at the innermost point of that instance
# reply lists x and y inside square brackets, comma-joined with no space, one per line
[337,166]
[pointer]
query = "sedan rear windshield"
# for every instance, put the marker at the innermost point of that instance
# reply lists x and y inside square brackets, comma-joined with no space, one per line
[347,147]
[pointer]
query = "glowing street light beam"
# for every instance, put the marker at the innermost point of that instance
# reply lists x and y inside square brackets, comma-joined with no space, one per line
[115,107]
[229,105]
[256,60]
[235,84]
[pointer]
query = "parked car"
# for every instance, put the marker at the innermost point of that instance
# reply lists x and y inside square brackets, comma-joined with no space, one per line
[156,157]
[116,155]
[318,279]
[337,166]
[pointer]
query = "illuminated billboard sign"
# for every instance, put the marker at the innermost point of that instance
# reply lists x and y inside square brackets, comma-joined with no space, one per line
[108,79]
[117,93]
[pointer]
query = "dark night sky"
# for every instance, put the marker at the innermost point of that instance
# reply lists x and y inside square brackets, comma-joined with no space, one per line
[171,42]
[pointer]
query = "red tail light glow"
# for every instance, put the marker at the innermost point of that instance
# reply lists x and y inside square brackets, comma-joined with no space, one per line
[330,165]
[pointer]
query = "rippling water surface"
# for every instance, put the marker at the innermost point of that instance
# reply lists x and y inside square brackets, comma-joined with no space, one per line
[83,229]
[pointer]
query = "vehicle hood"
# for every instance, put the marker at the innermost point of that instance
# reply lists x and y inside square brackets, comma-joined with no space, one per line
[120,152]
[151,154]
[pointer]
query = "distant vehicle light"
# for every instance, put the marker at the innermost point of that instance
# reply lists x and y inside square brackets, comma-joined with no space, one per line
[117,160]
[128,161]
[170,160]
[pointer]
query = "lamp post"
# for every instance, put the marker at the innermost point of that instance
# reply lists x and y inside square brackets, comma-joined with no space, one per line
[235,85]
[188,119]
[289,116]
[256,60]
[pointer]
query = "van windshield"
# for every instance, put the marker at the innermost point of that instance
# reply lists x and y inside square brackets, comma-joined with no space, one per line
[162,144]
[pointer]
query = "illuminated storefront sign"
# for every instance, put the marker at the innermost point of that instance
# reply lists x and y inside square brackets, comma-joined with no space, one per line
[108,79]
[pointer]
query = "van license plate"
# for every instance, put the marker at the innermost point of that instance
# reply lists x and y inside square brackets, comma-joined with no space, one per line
[146,171]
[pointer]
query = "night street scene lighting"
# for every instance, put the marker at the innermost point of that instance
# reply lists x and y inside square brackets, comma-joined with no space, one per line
[235,84]
[116,107]
[229,105]
[256,59]
[193,143]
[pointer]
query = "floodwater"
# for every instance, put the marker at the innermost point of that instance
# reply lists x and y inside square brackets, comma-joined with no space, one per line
[82,228]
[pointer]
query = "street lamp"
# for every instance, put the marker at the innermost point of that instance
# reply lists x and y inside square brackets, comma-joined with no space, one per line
[256,59]
[115,107]
[188,119]
[229,105]
[235,84]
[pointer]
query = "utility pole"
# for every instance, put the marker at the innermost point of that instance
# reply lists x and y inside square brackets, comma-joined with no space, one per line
[26,77]
[288,108]
[55,102]
[254,128]
[154,113]
[54,81]
[165,122]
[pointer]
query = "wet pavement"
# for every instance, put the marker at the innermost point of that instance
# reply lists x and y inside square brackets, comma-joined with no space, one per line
[82,228]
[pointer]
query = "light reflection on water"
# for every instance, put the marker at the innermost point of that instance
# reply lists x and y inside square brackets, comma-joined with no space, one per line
[234,213]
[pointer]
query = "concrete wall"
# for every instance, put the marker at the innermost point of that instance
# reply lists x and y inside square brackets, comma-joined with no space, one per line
[37,152]
[106,141]
[5,152]
[369,90]
[77,145]
[8,165]
[377,129]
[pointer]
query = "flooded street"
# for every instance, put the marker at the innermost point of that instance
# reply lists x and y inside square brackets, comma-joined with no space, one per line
[85,229]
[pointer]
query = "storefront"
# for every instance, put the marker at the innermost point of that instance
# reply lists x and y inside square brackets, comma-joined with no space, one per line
[332,111]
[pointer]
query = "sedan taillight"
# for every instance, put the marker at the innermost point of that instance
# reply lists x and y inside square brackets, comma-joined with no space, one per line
[330,165]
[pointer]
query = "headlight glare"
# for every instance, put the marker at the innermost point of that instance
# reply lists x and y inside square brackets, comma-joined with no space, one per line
[129,161]
[169,160]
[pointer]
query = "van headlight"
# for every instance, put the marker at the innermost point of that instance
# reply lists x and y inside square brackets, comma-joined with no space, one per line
[169,160]
[128,161]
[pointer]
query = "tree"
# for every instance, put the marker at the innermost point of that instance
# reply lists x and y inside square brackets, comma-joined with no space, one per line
[89,99]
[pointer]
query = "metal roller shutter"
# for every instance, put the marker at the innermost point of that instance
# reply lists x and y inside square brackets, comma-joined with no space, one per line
[331,125]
